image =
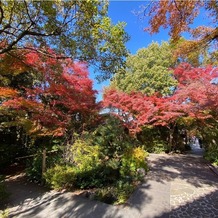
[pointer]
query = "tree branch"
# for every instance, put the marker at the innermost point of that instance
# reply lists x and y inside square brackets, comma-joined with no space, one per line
[28,14]
[2,13]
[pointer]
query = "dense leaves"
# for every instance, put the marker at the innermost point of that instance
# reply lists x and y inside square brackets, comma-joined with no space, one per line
[195,98]
[148,71]
[107,159]
[62,100]
[179,17]
[80,30]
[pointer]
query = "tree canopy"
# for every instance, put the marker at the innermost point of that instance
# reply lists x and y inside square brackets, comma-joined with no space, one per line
[195,97]
[179,16]
[148,71]
[80,30]
[58,99]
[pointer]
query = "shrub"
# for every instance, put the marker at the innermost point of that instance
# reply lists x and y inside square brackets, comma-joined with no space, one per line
[113,138]
[212,154]
[85,156]
[34,168]
[88,165]
[123,191]
[34,164]
[154,139]
[60,177]
[117,194]
[132,160]
[106,195]
[209,136]
[84,170]
[98,160]
[4,213]
[158,146]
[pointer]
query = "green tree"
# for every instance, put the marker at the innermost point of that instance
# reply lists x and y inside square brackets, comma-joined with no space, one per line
[77,29]
[147,71]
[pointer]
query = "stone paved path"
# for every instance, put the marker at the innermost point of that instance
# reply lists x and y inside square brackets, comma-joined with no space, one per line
[176,186]
[193,186]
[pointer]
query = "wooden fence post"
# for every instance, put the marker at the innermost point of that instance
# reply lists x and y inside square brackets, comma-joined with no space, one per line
[43,163]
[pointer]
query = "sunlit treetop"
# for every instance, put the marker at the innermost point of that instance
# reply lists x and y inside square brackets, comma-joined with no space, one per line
[179,16]
[148,71]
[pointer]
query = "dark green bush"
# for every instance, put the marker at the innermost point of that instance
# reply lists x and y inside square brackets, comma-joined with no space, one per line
[112,138]
[3,193]
[117,194]
[34,164]
[212,154]
[209,138]
[154,139]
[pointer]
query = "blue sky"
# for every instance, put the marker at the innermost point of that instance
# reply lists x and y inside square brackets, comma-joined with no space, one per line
[124,11]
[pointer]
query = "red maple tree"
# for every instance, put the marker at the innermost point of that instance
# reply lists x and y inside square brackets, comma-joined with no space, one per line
[60,101]
[195,96]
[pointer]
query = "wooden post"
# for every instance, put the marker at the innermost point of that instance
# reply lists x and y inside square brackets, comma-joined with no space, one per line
[43,161]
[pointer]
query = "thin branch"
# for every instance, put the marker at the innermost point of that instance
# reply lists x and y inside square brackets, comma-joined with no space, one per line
[2,13]
[28,14]
[11,14]
[41,51]
[180,13]
[27,33]
[5,27]
[147,6]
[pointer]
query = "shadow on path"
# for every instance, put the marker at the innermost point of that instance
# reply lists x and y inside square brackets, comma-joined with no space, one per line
[193,170]
[205,206]
[176,185]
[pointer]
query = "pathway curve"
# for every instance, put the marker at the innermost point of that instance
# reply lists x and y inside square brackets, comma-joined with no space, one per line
[176,186]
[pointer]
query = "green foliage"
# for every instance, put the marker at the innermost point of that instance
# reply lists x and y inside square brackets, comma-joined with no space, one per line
[85,164]
[117,194]
[159,146]
[107,160]
[60,177]
[89,36]
[106,195]
[34,164]
[212,154]
[4,214]
[147,71]
[123,191]
[132,160]
[112,138]
[34,168]
[154,139]
[90,170]
[85,157]
[209,134]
